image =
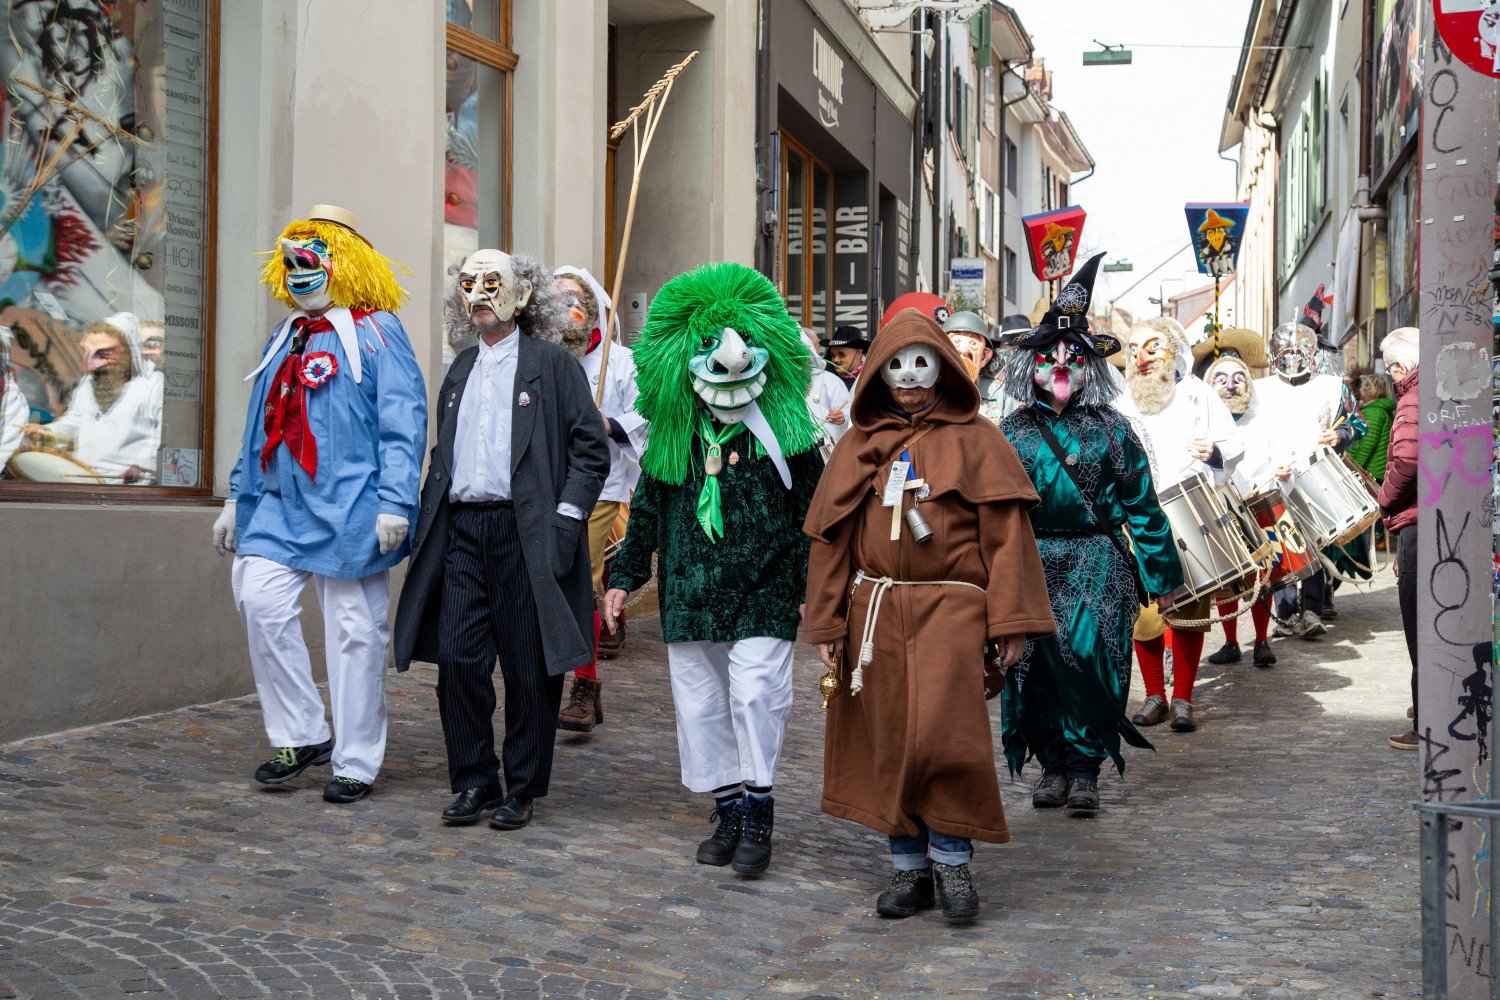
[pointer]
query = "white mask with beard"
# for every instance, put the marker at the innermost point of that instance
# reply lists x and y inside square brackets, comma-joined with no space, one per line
[1151,368]
[1231,380]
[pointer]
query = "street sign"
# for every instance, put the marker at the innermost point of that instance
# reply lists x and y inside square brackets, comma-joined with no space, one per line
[1118,267]
[1111,56]
[966,278]
[1471,30]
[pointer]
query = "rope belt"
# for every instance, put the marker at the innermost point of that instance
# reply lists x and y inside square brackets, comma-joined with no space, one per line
[882,585]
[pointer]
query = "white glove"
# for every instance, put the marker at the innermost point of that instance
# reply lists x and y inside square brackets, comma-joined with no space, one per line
[224,531]
[390,531]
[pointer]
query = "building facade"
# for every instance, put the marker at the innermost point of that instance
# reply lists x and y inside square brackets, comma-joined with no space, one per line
[209,126]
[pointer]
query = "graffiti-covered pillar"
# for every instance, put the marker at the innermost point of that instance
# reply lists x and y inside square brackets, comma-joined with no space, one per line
[1455,599]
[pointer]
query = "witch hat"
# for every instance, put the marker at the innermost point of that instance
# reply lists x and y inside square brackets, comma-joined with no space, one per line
[1069,313]
[1213,220]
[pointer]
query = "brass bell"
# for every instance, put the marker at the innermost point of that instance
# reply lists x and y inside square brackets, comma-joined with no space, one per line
[921,531]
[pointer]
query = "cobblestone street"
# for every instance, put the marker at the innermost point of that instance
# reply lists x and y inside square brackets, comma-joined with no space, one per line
[1271,854]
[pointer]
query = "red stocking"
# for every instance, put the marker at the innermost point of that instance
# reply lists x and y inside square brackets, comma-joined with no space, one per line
[1151,655]
[1260,611]
[1187,647]
[1231,625]
[590,671]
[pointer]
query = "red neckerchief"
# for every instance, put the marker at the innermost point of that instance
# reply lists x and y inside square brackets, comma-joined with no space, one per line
[286,402]
[595,339]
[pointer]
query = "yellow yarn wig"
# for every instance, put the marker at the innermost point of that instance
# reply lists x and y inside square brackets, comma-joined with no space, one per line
[362,277]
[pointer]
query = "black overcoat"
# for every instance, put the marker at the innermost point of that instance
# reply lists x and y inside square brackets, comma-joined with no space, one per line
[558,454]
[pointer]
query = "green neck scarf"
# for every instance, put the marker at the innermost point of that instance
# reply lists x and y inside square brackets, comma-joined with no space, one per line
[710,511]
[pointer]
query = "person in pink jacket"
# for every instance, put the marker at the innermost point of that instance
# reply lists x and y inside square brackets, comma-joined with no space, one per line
[1398,496]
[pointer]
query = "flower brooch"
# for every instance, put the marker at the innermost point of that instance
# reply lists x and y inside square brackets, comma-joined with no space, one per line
[317,369]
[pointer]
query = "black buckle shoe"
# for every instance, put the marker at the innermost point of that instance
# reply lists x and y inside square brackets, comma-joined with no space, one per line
[342,790]
[1083,796]
[1049,792]
[292,761]
[753,855]
[1228,653]
[1263,657]
[728,820]
[513,814]
[910,891]
[471,804]
[956,892]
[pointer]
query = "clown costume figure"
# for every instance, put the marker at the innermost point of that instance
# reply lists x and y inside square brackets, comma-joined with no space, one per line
[728,474]
[1256,470]
[324,490]
[588,323]
[916,615]
[1065,700]
[1186,430]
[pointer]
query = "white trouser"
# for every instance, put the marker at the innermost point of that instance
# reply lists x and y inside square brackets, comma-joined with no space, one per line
[732,701]
[356,631]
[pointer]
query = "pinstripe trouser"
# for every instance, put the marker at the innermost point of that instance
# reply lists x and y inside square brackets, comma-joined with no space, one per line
[488,610]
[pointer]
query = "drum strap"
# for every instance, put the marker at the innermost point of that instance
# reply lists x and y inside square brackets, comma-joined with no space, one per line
[1100,521]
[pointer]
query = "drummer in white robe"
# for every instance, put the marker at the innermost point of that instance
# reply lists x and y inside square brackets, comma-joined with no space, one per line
[1186,429]
[113,421]
[827,399]
[1304,410]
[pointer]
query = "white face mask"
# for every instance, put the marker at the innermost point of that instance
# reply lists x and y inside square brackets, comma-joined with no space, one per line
[308,270]
[914,367]
[487,279]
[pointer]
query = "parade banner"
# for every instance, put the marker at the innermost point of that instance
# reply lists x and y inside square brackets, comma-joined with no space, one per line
[1053,239]
[1217,229]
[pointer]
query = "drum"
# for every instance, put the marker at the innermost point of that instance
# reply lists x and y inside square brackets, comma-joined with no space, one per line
[1291,559]
[1256,539]
[48,465]
[1210,543]
[1329,500]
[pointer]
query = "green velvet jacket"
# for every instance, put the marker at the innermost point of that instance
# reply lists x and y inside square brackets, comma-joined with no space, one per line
[751,581]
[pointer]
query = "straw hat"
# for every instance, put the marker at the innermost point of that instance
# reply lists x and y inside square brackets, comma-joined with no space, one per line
[338,216]
[1246,343]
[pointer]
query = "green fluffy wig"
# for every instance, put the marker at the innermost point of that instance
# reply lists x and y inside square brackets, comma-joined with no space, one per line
[698,304]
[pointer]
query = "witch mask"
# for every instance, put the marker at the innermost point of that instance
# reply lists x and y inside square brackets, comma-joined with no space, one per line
[1060,372]
[728,374]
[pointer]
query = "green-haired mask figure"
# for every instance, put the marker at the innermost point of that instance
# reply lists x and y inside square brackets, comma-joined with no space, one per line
[720,347]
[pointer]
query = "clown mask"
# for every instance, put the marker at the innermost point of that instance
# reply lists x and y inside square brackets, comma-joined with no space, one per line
[490,288]
[728,374]
[583,314]
[1060,372]
[1231,380]
[308,268]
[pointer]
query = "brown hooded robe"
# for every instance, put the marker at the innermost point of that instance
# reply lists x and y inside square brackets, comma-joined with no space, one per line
[916,741]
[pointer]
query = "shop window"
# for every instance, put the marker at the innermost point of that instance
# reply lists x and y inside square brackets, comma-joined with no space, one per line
[806,257]
[106,247]
[477,109]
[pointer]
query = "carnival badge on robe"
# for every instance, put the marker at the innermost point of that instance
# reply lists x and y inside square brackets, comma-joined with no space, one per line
[317,368]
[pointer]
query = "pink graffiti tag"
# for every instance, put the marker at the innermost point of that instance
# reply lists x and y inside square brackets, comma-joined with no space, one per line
[1478,436]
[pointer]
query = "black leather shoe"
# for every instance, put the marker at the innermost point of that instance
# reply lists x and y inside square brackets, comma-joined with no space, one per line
[753,855]
[342,790]
[728,820]
[1083,796]
[955,891]
[292,761]
[472,802]
[513,814]
[1263,656]
[1228,653]
[909,892]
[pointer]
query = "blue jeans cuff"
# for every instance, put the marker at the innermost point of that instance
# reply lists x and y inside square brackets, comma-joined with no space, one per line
[909,862]
[960,857]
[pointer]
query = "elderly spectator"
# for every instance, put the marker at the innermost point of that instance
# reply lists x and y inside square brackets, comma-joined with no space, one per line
[1398,497]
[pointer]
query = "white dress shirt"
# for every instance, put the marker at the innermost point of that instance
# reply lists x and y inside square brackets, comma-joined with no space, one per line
[1294,416]
[481,443]
[1196,411]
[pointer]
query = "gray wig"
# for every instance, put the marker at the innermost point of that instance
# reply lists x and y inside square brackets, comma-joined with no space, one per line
[1100,386]
[543,317]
